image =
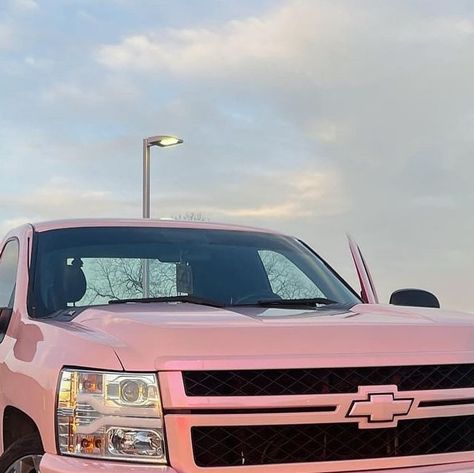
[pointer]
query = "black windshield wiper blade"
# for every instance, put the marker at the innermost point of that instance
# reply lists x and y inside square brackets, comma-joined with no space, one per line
[311,302]
[188,299]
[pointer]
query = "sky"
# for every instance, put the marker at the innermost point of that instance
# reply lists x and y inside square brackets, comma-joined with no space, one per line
[312,117]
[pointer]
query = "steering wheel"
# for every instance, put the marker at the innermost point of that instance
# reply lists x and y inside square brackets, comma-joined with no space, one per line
[255,297]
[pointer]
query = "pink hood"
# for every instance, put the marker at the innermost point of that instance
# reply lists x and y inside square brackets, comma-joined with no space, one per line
[151,337]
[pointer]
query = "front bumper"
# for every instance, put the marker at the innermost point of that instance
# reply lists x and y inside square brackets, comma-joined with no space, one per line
[57,464]
[60,464]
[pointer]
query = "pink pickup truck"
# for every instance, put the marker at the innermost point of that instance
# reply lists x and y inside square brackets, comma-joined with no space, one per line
[132,346]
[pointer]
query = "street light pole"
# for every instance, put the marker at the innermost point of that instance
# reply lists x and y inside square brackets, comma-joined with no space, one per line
[146,179]
[163,141]
[146,212]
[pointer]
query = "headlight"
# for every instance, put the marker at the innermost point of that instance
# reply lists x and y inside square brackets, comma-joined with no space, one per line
[110,415]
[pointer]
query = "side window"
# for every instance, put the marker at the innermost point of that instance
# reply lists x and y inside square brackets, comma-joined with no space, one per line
[286,279]
[8,270]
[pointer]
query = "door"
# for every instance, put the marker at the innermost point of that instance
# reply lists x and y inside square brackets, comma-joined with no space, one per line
[367,288]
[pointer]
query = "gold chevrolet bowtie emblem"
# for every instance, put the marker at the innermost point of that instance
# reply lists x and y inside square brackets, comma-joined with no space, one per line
[379,409]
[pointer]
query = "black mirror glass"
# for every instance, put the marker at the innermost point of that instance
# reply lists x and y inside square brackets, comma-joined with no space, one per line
[414,298]
[5,315]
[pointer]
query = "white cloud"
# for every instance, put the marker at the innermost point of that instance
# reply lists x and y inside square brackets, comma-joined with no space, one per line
[327,131]
[434,30]
[283,37]
[10,224]
[60,201]
[283,211]
[7,36]
[269,196]
[86,16]
[436,202]
[37,63]
[91,94]
[322,42]
[24,5]
[70,92]
[60,198]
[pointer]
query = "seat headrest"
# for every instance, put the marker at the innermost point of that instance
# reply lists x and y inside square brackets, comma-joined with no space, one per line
[74,282]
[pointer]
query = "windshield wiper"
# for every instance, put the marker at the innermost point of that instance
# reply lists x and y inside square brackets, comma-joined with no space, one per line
[312,302]
[188,299]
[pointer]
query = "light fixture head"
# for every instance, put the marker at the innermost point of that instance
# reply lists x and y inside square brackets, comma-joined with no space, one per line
[163,141]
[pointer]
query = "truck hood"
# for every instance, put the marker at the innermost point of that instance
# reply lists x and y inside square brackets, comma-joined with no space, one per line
[165,336]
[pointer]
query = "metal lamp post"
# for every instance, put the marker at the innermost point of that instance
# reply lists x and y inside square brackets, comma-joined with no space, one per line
[163,141]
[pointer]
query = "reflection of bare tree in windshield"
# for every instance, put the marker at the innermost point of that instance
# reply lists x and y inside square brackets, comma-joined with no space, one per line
[286,279]
[121,278]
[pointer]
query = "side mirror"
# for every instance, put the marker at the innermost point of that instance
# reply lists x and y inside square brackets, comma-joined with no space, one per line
[5,316]
[414,298]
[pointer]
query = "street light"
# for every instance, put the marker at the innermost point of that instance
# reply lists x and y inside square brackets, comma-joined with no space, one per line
[163,141]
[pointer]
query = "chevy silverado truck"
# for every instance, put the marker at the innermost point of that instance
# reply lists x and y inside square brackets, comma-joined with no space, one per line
[141,346]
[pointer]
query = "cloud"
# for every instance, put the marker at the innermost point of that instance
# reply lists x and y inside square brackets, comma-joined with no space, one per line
[438,30]
[59,198]
[283,211]
[263,198]
[11,33]
[283,197]
[24,5]
[69,92]
[283,34]
[324,42]
[7,36]
[10,224]
[37,63]
[73,93]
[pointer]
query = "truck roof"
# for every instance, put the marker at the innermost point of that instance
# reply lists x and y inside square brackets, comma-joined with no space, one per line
[140,222]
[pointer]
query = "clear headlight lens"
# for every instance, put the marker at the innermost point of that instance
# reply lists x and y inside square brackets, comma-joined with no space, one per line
[110,415]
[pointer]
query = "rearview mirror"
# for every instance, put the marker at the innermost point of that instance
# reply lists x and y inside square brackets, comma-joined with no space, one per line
[414,298]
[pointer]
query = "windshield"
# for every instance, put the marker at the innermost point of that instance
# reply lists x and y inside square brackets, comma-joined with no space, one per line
[92,266]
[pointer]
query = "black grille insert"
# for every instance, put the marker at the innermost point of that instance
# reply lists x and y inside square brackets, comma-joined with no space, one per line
[325,380]
[276,444]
